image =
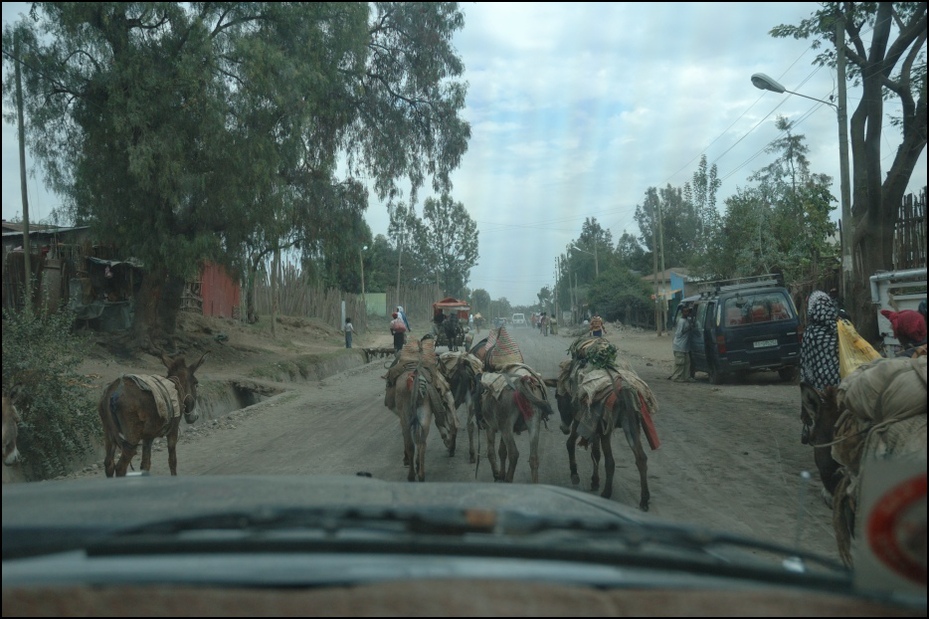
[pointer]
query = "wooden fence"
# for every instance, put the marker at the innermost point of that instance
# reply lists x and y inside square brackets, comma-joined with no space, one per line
[910,233]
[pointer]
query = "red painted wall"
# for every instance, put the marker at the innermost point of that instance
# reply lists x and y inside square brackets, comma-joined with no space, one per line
[219,291]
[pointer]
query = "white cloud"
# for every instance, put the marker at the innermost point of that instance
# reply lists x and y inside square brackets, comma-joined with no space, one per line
[576,109]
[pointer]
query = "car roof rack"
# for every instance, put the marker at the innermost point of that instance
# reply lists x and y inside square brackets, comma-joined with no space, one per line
[740,283]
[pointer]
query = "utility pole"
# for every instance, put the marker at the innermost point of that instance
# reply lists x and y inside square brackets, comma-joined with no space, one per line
[27,250]
[664,303]
[655,277]
[848,227]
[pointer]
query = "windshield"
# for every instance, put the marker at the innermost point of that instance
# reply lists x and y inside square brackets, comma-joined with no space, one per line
[411,276]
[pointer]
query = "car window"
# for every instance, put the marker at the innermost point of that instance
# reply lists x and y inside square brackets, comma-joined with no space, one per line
[757,308]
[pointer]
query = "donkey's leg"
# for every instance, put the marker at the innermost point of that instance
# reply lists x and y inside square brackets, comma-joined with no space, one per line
[492,453]
[595,460]
[571,444]
[172,449]
[125,457]
[609,465]
[508,442]
[146,455]
[472,427]
[534,446]
[109,467]
[634,438]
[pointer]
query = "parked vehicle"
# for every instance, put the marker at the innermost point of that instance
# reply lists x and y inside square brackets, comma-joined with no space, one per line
[742,326]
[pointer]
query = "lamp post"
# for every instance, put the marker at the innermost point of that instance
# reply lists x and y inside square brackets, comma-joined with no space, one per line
[763,82]
[594,254]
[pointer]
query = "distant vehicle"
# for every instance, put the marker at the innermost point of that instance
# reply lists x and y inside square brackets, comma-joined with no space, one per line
[450,322]
[499,321]
[742,326]
[519,320]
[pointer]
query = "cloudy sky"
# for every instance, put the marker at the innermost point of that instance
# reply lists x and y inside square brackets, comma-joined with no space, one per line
[576,109]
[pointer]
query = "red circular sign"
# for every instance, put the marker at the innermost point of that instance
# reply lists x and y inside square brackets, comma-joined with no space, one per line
[896,529]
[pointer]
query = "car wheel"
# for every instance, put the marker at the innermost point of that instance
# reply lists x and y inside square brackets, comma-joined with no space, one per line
[788,375]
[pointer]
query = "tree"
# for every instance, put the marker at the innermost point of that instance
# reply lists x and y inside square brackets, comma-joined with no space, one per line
[189,131]
[546,298]
[701,193]
[453,240]
[888,67]
[480,302]
[679,225]
[631,254]
[781,225]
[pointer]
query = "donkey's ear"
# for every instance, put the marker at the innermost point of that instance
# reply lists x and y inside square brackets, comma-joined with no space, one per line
[194,367]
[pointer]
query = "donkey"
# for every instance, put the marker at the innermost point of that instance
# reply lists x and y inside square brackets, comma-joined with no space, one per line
[619,408]
[819,421]
[521,404]
[416,402]
[462,371]
[138,409]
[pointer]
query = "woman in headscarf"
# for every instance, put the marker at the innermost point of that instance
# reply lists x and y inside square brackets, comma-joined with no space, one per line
[819,350]
[819,368]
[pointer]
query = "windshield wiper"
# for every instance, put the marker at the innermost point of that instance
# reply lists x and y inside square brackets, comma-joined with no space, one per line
[472,532]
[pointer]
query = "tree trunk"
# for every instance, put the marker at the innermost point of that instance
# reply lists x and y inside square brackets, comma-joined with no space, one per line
[156,307]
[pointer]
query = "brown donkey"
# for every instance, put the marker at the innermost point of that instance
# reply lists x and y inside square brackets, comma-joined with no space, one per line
[138,409]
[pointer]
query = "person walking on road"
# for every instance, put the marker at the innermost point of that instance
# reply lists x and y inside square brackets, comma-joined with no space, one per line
[349,330]
[398,329]
[681,347]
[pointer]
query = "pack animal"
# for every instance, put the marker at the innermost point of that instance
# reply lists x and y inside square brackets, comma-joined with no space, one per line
[880,413]
[818,431]
[462,371]
[519,402]
[10,426]
[131,414]
[453,331]
[417,403]
[621,407]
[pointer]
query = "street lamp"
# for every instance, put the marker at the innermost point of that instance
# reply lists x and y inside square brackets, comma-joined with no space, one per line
[763,82]
[594,254]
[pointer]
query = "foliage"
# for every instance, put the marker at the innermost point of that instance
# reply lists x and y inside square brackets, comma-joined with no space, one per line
[187,131]
[667,220]
[453,242]
[59,417]
[782,225]
[619,293]
[480,302]
[896,41]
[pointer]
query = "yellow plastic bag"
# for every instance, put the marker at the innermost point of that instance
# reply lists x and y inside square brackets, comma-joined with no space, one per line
[854,350]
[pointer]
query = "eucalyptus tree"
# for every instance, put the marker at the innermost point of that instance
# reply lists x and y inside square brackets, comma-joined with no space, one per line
[668,223]
[185,131]
[782,223]
[882,47]
[453,242]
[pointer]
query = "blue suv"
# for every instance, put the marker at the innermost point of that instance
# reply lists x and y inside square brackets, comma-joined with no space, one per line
[742,327]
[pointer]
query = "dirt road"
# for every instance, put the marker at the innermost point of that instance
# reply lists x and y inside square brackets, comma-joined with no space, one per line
[730,455]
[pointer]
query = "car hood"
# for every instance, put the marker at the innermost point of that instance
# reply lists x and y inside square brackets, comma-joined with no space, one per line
[136,500]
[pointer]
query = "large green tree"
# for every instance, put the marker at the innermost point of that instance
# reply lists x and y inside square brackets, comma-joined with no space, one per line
[883,44]
[453,240]
[184,131]
[779,225]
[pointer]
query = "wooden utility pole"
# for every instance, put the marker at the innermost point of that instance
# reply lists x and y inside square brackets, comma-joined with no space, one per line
[27,250]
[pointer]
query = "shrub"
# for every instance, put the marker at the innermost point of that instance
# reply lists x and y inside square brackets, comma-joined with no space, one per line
[59,418]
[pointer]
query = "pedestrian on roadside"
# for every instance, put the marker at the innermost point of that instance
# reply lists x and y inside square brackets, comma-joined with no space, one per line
[402,314]
[398,330]
[680,344]
[909,328]
[349,330]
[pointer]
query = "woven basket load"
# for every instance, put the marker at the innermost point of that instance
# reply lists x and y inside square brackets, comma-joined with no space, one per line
[501,350]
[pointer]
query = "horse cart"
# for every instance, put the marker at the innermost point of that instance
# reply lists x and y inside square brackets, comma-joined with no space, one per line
[450,323]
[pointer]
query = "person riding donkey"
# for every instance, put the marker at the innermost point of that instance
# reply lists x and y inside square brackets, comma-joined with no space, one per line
[596,326]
